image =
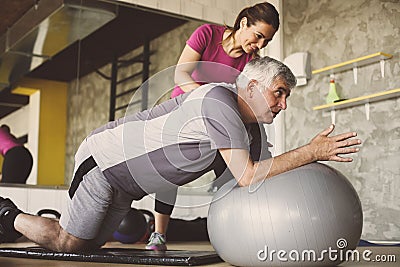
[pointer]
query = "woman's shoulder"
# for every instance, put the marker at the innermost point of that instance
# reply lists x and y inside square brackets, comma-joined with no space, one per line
[212,28]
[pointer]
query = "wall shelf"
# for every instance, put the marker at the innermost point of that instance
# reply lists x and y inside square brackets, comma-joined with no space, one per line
[362,100]
[355,63]
[351,64]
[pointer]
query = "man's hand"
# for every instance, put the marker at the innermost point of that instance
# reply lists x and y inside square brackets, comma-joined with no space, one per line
[324,147]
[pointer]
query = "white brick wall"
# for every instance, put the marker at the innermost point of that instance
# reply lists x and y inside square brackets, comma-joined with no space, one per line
[188,207]
[218,11]
[33,199]
[192,9]
[214,15]
[172,6]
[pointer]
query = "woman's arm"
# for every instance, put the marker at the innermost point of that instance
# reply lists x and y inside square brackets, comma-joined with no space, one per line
[186,64]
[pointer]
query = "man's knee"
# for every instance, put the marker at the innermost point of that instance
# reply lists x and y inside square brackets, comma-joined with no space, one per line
[69,243]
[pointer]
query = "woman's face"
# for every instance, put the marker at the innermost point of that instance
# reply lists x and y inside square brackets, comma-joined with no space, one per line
[255,37]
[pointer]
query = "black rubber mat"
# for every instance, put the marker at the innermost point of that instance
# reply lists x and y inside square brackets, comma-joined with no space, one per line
[365,243]
[119,255]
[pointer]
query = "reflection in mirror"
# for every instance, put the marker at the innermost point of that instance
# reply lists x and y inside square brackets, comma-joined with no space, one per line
[34,34]
[91,79]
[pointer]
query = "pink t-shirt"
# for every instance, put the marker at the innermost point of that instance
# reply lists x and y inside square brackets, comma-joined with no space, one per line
[7,141]
[206,40]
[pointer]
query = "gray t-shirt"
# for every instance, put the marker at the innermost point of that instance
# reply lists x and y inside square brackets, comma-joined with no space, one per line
[175,142]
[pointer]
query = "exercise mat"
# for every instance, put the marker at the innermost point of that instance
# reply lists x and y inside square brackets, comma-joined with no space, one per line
[366,243]
[119,255]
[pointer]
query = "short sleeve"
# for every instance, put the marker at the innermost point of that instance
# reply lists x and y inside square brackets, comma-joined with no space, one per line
[222,119]
[199,39]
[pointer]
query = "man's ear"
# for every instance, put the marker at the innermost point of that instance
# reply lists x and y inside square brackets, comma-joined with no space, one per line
[251,87]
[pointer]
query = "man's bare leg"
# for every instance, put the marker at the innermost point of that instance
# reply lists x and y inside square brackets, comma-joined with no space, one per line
[48,233]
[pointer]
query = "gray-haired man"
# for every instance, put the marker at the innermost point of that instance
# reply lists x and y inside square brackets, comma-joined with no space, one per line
[170,145]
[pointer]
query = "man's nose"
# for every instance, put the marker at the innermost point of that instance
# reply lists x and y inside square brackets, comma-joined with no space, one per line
[283,104]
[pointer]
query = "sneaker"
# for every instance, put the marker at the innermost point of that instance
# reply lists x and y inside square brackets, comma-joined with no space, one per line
[157,242]
[7,234]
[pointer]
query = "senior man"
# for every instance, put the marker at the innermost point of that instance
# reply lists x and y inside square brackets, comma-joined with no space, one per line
[170,145]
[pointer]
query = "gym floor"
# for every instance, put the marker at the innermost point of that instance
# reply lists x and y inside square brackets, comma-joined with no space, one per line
[192,246]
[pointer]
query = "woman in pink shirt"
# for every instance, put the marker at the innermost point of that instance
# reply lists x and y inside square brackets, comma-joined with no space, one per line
[233,47]
[17,162]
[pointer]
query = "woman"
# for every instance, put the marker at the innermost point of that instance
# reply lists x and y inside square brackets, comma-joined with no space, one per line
[234,46]
[17,162]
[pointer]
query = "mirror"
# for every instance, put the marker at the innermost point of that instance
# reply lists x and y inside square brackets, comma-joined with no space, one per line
[88,79]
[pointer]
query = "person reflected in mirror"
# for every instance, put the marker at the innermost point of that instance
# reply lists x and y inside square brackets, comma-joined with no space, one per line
[17,160]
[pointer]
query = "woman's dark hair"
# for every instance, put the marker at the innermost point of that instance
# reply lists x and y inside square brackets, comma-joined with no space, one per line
[6,128]
[263,12]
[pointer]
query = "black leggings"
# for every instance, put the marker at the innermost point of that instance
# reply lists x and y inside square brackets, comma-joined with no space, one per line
[17,165]
[165,201]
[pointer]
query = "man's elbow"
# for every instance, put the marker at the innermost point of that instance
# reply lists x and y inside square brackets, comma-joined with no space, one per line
[245,180]
[248,176]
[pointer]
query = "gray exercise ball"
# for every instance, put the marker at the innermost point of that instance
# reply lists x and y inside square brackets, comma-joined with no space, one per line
[310,216]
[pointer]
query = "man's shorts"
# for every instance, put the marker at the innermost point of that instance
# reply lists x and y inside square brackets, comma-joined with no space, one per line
[95,209]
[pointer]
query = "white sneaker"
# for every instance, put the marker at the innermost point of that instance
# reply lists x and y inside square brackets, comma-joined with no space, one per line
[157,241]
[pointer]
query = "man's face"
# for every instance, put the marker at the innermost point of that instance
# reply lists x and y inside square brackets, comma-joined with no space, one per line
[267,104]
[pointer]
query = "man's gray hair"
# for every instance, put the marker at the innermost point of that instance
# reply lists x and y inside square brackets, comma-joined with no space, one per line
[265,70]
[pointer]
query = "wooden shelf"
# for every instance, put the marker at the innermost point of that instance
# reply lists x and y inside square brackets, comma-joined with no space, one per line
[360,100]
[351,64]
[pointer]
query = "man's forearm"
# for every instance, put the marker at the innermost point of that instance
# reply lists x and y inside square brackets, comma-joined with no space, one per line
[261,170]
[322,147]
[290,160]
[285,162]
